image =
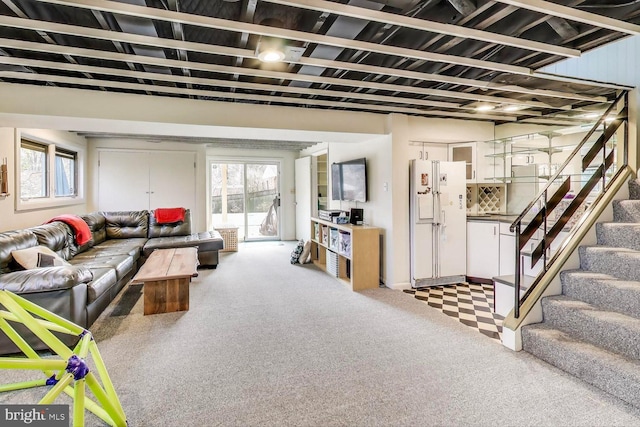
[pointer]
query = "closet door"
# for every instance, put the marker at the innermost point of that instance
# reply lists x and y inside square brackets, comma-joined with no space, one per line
[172,177]
[123,180]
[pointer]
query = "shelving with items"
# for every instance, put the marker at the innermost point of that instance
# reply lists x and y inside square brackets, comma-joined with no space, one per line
[353,257]
[485,199]
[333,239]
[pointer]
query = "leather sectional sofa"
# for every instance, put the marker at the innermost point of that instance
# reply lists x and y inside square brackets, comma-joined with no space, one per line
[120,243]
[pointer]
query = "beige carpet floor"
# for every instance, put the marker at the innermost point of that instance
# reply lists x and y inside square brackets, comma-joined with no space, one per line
[267,343]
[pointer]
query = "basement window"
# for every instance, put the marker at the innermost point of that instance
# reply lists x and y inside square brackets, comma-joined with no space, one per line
[49,174]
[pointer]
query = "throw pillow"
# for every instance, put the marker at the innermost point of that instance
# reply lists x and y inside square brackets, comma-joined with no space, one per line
[305,256]
[295,254]
[30,258]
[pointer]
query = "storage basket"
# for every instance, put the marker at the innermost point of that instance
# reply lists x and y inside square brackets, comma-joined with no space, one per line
[230,236]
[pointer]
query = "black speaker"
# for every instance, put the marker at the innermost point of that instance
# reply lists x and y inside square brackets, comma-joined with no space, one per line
[355,217]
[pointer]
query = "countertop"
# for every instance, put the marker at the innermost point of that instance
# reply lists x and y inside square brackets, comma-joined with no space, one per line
[493,217]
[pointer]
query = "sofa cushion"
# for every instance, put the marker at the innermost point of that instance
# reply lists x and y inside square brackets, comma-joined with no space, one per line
[103,280]
[132,247]
[35,257]
[123,264]
[97,224]
[11,241]
[205,241]
[58,237]
[45,279]
[181,228]
[124,225]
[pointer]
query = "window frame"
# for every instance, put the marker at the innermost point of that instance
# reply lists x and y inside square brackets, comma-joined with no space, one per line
[64,153]
[52,148]
[36,147]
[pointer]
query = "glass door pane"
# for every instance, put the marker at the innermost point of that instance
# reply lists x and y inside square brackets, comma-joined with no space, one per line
[227,196]
[262,201]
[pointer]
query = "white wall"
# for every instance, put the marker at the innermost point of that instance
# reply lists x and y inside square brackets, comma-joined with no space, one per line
[10,218]
[286,159]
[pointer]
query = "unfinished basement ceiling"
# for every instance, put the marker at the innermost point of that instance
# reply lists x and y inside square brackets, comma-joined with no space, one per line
[433,58]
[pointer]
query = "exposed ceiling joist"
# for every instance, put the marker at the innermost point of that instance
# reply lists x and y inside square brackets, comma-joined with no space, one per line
[287,76]
[223,50]
[576,15]
[424,25]
[224,83]
[222,24]
[412,57]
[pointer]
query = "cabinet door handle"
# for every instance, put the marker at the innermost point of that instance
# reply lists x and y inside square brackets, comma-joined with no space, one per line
[474,175]
[494,230]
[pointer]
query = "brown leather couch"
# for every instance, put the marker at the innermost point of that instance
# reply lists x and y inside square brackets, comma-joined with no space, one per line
[120,243]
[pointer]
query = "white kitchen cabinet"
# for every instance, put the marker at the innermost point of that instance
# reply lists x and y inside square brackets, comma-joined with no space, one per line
[507,250]
[430,151]
[483,164]
[465,152]
[483,249]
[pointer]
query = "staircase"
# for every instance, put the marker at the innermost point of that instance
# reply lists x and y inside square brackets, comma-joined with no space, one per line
[592,330]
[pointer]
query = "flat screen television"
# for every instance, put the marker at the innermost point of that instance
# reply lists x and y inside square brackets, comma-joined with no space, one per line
[349,180]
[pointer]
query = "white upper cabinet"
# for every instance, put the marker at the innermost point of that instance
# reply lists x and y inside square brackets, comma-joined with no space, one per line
[465,152]
[482,165]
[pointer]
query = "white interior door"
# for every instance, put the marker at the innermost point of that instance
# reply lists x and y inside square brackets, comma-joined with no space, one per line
[172,180]
[303,198]
[123,181]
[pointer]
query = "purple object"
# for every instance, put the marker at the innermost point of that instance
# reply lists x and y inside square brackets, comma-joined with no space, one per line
[52,380]
[77,367]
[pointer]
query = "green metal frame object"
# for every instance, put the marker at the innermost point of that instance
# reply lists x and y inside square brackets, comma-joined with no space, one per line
[69,366]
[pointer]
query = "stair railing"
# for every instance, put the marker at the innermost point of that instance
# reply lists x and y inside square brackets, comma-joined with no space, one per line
[537,215]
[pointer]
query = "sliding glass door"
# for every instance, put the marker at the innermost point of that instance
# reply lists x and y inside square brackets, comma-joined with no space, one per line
[246,195]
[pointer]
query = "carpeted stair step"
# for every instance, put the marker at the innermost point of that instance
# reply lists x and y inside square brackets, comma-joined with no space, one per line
[622,263]
[602,290]
[634,189]
[617,234]
[615,332]
[626,210]
[613,373]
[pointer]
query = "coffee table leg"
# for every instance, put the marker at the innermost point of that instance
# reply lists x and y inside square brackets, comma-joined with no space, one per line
[165,296]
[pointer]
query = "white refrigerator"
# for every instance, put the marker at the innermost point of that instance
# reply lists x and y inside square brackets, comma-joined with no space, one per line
[438,222]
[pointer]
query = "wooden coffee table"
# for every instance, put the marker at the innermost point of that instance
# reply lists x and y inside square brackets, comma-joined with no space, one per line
[166,275]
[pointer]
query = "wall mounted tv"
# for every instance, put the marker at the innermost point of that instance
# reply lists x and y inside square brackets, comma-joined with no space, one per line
[349,180]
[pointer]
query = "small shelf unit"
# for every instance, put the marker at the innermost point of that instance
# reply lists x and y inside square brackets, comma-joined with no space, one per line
[351,253]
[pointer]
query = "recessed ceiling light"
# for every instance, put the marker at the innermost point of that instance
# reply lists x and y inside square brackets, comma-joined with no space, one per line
[511,108]
[270,49]
[485,107]
[271,55]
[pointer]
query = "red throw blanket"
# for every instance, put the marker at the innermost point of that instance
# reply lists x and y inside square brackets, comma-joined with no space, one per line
[80,228]
[168,215]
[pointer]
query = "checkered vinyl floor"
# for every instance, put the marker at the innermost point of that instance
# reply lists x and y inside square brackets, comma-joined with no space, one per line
[471,304]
